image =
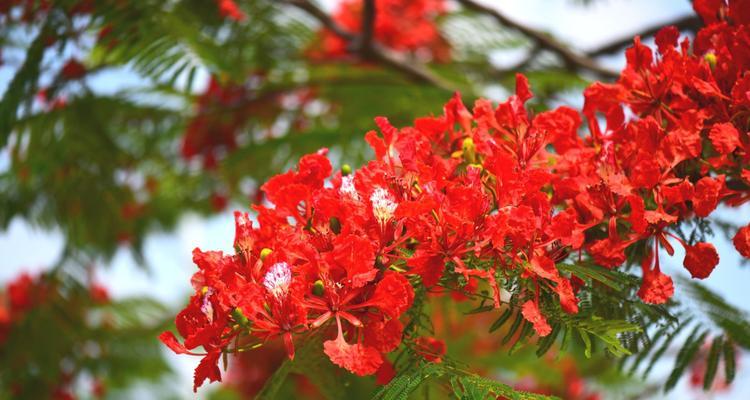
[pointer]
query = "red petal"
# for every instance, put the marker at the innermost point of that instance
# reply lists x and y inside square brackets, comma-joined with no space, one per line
[377,144]
[666,38]
[207,369]
[169,339]
[656,288]
[356,358]
[568,299]
[393,294]
[430,348]
[532,314]
[724,137]
[384,336]
[701,259]
[385,373]
[706,196]
[356,255]
[429,267]
[742,241]
[522,88]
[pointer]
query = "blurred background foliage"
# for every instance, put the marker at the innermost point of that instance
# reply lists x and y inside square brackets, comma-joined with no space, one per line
[207,103]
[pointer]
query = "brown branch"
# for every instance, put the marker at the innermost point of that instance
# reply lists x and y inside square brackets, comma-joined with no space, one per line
[570,58]
[685,23]
[320,15]
[375,52]
[368,25]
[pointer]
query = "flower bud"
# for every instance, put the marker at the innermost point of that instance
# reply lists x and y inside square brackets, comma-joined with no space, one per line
[265,252]
[710,59]
[469,150]
[335,225]
[240,318]
[318,288]
[346,169]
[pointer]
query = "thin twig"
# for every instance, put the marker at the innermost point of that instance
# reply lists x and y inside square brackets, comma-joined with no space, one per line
[685,23]
[570,58]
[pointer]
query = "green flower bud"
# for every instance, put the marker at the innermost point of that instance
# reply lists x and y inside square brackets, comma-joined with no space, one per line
[240,318]
[265,252]
[710,59]
[335,225]
[469,150]
[318,288]
[346,169]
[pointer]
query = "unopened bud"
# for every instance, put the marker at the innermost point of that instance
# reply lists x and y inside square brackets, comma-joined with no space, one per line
[710,59]
[239,317]
[469,150]
[335,225]
[346,169]
[318,288]
[265,252]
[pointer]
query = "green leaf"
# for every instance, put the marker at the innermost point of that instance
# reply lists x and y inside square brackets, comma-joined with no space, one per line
[685,356]
[474,387]
[22,85]
[513,328]
[404,384]
[665,345]
[546,342]
[729,361]
[593,272]
[712,363]
[500,321]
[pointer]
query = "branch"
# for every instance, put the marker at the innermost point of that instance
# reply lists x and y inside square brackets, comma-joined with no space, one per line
[322,17]
[685,23]
[542,39]
[375,52]
[368,25]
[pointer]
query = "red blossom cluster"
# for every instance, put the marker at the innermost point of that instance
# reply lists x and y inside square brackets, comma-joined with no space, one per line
[485,196]
[230,9]
[401,25]
[22,300]
[223,110]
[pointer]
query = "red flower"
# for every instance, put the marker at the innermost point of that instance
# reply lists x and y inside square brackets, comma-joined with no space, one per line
[701,259]
[407,26]
[741,241]
[724,137]
[707,195]
[385,373]
[531,313]
[430,348]
[657,288]
[207,369]
[73,70]
[357,358]
[229,9]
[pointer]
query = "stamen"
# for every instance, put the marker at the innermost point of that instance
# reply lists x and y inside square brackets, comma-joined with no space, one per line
[277,279]
[383,207]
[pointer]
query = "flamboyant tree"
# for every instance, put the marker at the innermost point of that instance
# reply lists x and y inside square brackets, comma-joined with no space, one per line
[478,246]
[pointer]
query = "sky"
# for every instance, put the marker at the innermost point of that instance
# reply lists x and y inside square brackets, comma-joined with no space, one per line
[168,254]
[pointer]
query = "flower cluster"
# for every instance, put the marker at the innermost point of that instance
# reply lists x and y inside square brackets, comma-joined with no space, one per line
[27,305]
[230,9]
[223,110]
[403,26]
[492,195]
